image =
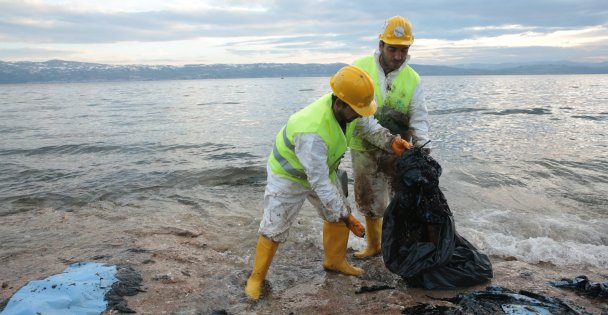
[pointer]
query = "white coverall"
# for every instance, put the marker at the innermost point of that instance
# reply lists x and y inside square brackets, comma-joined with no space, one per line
[372,170]
[283,198]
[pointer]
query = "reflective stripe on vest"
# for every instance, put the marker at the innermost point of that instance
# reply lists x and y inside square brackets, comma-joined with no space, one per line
[284,163]
[398,96]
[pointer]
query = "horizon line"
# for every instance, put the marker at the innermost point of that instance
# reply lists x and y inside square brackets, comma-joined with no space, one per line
[309,63]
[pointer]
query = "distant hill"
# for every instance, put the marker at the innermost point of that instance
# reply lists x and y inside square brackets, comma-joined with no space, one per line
[70,71]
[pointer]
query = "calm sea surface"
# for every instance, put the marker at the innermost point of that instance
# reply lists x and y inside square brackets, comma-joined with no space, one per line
[525,158]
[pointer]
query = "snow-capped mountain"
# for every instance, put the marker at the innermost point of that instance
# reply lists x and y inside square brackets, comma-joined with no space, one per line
[71,71]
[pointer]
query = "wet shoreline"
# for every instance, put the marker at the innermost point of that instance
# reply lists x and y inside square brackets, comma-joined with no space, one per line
[151,179]
[187,269]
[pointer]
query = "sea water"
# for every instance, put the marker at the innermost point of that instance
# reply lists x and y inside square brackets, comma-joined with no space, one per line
[525,158]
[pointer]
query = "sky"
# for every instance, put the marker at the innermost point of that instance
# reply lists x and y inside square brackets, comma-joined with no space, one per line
[178,32]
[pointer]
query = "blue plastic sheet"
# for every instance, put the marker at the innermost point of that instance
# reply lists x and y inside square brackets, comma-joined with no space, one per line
[79,289]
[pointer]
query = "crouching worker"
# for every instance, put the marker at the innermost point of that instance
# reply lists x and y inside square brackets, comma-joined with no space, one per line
[303,165]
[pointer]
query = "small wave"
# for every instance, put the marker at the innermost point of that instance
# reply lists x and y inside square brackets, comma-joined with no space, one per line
[49,107]
[205,147]
[74,149]
[455,111]
[63,149]
[43,176]
[305,90]
[544,249]
[16,130]
[28,202]
[533,111]
[231,103]
[232,176]
[587,117]
[584,173]
[230,156]
[557,237]
[195,203]
[489,179]
[590,201]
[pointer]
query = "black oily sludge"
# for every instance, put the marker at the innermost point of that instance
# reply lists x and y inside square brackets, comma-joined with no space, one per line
[498,300]
[533,111]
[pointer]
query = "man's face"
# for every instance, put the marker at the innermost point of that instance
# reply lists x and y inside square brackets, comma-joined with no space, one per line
[345,113]
[392,56]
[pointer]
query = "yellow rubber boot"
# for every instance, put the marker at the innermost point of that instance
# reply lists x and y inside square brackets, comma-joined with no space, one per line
[264,253]
[335,240]
[373,229]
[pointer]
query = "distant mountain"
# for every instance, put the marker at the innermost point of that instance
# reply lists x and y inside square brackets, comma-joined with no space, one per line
[70,71]
[503,66]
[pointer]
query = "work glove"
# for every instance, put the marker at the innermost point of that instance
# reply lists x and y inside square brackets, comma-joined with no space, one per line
[354,225]
[399,146]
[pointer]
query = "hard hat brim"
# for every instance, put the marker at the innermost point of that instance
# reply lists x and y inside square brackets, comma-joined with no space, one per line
[402,42]
[367,110]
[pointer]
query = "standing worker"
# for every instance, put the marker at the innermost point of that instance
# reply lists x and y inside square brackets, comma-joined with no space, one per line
[303,165]
[401,109]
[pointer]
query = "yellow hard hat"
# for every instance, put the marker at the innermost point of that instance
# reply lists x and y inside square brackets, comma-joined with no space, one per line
[355,87]
[397,31]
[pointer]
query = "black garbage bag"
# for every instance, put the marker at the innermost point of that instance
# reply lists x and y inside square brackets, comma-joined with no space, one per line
[419,239]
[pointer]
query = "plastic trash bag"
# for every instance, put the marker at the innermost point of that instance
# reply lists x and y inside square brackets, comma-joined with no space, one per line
[419,239]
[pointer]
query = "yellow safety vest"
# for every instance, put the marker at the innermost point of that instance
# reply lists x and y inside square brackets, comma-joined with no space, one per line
[318,118]
[398,96]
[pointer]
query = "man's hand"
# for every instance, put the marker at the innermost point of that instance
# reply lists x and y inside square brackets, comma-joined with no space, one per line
[354,225]
[399,146]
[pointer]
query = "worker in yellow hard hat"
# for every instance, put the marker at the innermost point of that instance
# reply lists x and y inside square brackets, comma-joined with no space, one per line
[303,165]
[401,109]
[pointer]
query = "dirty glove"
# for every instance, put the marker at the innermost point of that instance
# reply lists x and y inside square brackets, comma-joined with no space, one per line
[354,225]
[399,146]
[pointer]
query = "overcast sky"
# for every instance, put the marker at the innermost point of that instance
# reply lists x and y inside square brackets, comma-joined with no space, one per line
[181,32]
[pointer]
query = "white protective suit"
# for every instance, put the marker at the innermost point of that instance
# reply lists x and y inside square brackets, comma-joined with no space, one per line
[372,170]
[283,198]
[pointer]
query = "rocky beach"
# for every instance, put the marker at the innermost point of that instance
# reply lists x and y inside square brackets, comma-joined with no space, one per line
[188,267]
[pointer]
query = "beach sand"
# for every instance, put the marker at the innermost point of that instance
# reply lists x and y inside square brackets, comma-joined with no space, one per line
[188,266]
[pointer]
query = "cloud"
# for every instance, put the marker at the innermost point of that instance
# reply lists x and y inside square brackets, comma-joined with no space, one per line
[37,22]
[26,53]
[294,29]
[562,44]
[560,38]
